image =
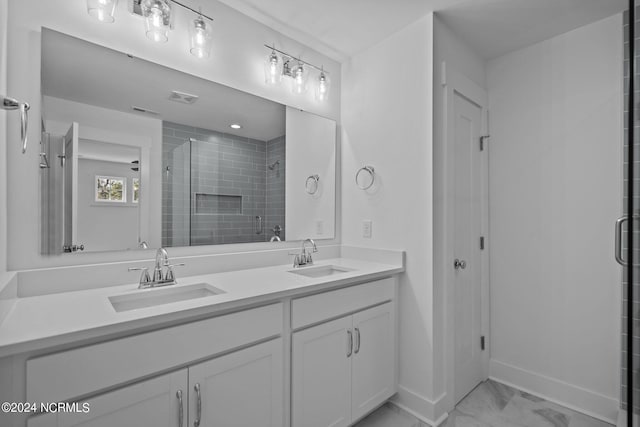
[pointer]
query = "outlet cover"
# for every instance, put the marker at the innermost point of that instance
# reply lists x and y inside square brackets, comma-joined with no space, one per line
[367,224]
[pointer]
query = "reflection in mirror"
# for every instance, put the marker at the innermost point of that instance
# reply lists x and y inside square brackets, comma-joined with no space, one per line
[141,153]
[222,188]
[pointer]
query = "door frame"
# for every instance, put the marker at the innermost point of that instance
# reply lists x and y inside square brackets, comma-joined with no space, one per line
[453,82]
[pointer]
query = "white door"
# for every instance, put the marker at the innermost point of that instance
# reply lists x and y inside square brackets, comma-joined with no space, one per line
[155,402]
[372,370]
[321,375]
[466,249]
[71,186]
[243,388]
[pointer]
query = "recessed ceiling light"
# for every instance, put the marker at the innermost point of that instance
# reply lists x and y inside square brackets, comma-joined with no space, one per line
[235,126]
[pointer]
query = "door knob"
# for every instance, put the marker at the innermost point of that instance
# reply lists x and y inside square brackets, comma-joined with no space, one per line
[459,264]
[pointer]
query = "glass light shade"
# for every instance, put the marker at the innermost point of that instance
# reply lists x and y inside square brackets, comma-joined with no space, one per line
[102,10]
[157,17]
[322,89]
[272,72]
[299,75]
[200,36]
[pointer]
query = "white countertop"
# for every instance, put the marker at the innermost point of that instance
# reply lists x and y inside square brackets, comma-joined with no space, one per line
[39,322]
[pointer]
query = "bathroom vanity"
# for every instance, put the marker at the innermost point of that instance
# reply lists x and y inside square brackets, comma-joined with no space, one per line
[272,346]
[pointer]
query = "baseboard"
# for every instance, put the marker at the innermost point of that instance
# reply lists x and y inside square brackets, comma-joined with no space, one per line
[428,411]
[571,396]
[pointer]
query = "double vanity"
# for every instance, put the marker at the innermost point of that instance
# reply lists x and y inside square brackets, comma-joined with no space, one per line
[271,346]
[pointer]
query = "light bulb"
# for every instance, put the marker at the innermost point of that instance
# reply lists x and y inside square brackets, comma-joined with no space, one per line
[157,14]
[322,91]
[200,38]
[299,83]
[102,10]
[272,74]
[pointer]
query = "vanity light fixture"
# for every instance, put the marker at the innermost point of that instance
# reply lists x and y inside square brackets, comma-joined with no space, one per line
[102,10]
[158,19]
[297,70]
[235,126]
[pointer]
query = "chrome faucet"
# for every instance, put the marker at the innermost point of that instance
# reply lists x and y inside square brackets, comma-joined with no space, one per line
[305,258]
[162,259]
[160,277]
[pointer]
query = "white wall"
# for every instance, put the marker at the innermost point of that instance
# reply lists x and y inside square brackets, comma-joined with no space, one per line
[387,123]
[459,58]
[311,140]
[555,193]
[235,61]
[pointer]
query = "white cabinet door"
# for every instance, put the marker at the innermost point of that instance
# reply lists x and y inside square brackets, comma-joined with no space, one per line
[321,375]
[243,388]
[154,402]
[373,366]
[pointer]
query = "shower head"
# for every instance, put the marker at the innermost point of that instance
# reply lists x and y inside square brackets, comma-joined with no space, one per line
[272,166]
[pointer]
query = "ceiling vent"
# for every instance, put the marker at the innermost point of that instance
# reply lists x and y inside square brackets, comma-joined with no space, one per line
[185,98]
[144,110]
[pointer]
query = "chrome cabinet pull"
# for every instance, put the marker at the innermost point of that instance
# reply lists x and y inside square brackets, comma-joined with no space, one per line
[349,343]
[357,341]
[196,422]
[180,408]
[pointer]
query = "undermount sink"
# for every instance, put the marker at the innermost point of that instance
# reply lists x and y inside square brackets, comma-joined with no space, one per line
[159,296]
[320,271]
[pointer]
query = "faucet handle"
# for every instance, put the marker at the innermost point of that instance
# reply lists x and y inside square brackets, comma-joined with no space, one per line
[170,273]
[145,279]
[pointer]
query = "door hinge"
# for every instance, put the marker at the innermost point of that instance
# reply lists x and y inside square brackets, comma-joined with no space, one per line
[482,343]
[482,138]
[482,243]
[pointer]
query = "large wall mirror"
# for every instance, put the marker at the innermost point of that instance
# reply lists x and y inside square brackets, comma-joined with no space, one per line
[127,140]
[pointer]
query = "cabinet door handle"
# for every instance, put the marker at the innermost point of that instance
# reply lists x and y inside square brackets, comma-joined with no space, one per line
[180,408]
[196,422]
[349,343]
[357,341]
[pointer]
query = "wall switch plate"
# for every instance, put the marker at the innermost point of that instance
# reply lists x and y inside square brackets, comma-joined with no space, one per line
[319,227]
[366,228]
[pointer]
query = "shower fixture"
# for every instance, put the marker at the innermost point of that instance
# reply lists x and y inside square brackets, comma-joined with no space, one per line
[273,165]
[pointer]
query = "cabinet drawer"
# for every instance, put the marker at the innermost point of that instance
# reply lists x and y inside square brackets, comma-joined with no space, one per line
[65,375]
[316,308]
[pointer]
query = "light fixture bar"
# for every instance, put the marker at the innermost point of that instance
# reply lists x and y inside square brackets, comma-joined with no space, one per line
[321,69]
[137,8]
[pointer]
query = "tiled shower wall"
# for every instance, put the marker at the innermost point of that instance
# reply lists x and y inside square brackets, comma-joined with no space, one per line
[216,186]
[636,205]
[275,186]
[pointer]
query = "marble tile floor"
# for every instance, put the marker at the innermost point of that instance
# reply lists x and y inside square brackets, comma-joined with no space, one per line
[491,404]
